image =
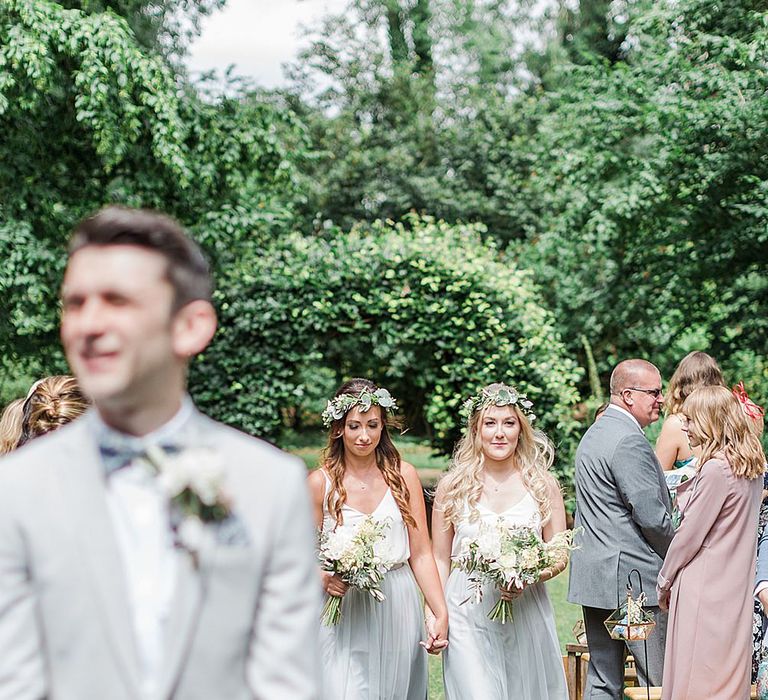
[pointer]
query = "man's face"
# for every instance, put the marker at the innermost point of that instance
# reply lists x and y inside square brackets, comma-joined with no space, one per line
[645,400]
[116,326]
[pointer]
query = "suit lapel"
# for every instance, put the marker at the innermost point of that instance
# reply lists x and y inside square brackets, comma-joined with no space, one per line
[82,483]
[182,620]
[189,591]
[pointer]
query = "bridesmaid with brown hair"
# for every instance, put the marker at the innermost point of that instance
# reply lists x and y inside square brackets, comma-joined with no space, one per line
[708,573]
[375,652]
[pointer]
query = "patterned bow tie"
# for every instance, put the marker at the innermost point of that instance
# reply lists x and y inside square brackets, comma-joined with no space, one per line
[118,451]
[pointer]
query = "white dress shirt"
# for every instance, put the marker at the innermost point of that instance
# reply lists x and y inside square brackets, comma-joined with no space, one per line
[139,510]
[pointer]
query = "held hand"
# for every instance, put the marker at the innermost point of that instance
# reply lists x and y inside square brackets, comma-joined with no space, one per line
[437,633]
[763,598]
[333,585]
[511,593]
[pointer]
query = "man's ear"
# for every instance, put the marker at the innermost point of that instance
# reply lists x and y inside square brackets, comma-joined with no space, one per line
[193,328]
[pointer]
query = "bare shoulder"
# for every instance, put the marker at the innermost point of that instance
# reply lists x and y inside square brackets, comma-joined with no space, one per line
[408,472]
[554,491]
[316,478]
[316,483]
[553,485]
[673,422]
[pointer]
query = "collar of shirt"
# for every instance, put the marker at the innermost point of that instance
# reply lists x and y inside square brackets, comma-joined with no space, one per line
[119,449]
[165,433]
[613,406]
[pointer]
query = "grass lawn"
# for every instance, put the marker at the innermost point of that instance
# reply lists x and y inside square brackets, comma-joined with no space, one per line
[417,452]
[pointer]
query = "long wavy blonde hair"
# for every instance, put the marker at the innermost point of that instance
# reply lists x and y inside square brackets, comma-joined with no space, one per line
[387,459]
[724,428]
[695,370]
[463,484]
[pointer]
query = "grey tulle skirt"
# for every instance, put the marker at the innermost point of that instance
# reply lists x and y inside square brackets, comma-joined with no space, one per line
[485,660]
[374,652]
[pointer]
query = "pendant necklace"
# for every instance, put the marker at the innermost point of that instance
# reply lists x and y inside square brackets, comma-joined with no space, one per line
[498,484]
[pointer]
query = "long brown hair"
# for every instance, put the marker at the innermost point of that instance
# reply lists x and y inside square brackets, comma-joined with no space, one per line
[387,459]
[725,428]
[695,370]
[54,402]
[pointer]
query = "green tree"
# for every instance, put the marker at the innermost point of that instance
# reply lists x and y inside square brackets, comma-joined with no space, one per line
[89,115]
[427,309]
[652,233]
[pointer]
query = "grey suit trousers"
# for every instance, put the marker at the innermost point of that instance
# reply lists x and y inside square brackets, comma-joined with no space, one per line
[605,675]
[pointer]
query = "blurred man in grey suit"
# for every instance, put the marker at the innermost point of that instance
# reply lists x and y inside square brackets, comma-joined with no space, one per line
[111,588]
[623,508]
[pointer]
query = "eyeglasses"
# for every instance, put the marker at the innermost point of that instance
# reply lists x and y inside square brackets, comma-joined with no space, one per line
[651,392]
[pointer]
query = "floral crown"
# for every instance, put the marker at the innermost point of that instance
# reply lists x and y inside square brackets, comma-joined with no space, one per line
[339,406]
[502,395]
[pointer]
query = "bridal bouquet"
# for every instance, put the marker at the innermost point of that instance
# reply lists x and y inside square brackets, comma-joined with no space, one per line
[355,554]
[508,556]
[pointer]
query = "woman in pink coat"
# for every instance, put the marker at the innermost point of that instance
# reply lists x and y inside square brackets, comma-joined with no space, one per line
[708,574]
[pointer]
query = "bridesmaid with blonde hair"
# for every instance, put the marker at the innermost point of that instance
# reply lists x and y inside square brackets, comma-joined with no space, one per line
[501,471]
[708,573]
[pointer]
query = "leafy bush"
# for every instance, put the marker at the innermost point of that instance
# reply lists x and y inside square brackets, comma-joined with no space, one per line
[429,310]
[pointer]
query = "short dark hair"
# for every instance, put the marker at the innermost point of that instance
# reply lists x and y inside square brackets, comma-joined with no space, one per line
[188,270]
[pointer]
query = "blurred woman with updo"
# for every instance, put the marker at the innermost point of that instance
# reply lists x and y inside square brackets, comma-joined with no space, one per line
[52,402]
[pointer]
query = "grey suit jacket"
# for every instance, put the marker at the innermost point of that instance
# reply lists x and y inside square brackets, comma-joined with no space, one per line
[623,510]
[244,622]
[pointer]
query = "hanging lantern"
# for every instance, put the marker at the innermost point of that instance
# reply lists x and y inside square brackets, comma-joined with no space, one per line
[630,621]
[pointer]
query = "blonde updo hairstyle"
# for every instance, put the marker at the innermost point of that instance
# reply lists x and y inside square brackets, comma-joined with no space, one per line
[463,484]
[696,369]
[724,428]
[387,458]
[53,402]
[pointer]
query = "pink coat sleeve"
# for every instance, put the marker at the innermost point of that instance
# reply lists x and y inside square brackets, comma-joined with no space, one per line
[705,501]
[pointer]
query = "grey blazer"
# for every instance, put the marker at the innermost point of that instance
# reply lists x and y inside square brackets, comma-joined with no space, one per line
[623,510]
[244,622]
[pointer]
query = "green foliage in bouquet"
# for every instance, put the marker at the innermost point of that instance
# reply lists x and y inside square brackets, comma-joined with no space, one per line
[351,552]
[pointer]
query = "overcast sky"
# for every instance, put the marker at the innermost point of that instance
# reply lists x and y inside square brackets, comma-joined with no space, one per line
[257,36]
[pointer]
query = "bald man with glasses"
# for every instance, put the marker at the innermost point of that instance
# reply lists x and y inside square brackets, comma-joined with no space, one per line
[624,512]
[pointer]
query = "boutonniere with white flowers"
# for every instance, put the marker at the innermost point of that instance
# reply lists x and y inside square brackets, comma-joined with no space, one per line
[194,481]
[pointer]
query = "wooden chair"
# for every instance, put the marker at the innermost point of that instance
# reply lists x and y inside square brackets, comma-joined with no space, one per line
[575,663]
